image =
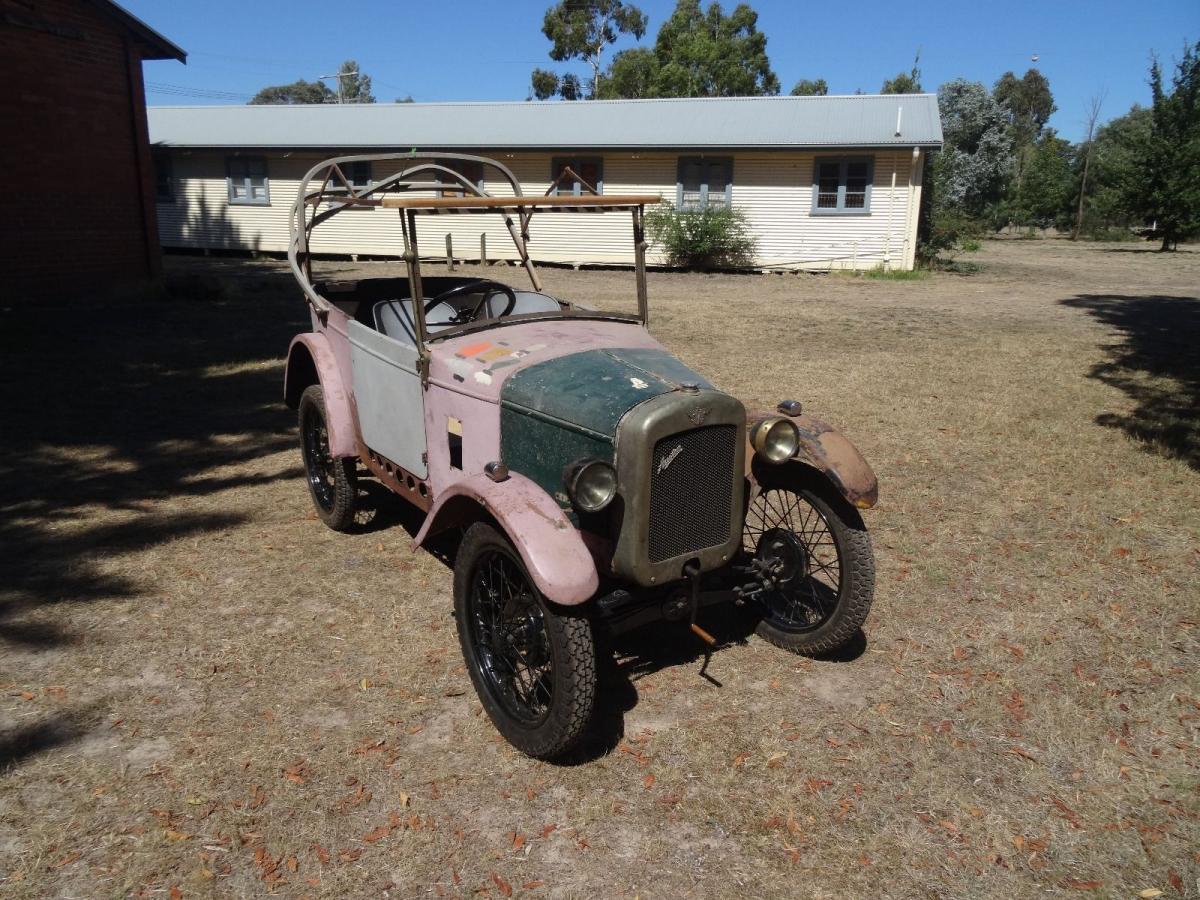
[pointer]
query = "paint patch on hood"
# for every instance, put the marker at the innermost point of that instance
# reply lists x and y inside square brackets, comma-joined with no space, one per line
[593,389]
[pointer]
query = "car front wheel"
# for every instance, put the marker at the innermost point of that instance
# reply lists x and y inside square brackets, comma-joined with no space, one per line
[533,665]
[818,553]
[332,482]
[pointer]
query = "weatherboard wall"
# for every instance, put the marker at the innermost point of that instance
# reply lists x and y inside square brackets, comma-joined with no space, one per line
[773,188]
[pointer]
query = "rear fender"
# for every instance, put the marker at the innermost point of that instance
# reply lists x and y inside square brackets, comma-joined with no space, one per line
[311,361]
[551,548]
[828,451]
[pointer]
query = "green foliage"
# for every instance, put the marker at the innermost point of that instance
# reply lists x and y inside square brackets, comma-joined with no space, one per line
[1111,207]
[544,83]
[714,237]
[698,53]
[581,30]
[297,92]
[1146,163]
[946,233]
[1044,197]
[1028,104]
[879,273]
[970,172]
[1167,182]
[905,82]
[710,54]
[806,88]
[355,87]
[631,75]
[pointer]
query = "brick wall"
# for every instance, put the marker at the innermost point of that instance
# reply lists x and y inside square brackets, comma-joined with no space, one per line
[77,214]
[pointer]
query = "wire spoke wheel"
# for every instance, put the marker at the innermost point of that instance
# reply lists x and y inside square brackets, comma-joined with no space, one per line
[509,632]
[332,482]
[533,664]
[821,567]
[318,461]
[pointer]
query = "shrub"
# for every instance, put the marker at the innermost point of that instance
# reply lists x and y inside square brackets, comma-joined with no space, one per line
[709,238]
[949,233]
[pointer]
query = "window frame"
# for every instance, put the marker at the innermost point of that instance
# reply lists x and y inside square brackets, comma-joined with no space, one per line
[164,174]
[452,189]
[576,163]
[704,161]
[247,181]
[370,169]
[843,163]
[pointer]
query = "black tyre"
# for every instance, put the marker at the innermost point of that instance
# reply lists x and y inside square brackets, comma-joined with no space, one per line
[333,483]
[825,570]
[533,666]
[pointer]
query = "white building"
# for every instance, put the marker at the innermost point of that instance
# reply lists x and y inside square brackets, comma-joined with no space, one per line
[825,182]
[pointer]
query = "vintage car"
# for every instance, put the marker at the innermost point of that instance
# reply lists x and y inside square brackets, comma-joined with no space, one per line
[593,479]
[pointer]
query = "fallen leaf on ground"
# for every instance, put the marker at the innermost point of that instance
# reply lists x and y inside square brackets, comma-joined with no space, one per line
[504,886]
[648,781]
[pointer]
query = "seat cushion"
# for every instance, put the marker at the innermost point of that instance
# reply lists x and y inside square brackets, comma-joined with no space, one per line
[395,319]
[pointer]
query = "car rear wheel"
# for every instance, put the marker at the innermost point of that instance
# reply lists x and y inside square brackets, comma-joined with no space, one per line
[332,482]
[822,568]
[533,665]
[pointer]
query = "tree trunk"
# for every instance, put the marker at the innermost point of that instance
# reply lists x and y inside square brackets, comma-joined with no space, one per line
[1166,244]
[1087,161]
[1093,115]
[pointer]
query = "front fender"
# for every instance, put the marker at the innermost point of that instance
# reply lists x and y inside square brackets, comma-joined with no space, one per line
[311,361]
[824,448]
[551,548]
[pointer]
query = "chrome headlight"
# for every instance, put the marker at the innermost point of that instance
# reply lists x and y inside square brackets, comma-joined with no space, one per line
[775,439]
[591,484]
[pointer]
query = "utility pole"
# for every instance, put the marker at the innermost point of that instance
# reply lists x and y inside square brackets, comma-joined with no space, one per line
[341,94]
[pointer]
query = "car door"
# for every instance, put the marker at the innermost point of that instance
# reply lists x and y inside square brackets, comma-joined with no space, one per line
[390,400]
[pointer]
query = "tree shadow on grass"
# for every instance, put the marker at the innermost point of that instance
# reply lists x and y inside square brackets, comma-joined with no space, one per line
[112,412]
[1154,360]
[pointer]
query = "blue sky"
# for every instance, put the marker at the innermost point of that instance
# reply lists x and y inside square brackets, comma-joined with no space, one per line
[474,50]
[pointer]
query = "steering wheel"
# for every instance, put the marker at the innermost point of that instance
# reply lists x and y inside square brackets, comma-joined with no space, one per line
[464,316]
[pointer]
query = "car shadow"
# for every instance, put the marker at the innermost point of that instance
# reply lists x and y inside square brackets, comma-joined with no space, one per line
[1153,360]
[625,659]
[112,411]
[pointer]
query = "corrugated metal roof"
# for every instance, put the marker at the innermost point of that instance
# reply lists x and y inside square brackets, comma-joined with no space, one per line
[864,120]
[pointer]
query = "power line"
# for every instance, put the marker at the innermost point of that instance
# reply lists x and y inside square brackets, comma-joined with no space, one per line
[180,90]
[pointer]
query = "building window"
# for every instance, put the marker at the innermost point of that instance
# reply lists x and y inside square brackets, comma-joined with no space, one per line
[164,184]
[588,168]
[359,176]
[842,185]
[468,168]
[247,180]
[357,173]
[703,182]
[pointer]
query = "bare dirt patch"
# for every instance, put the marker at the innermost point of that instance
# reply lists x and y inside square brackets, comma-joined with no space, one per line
[204,690]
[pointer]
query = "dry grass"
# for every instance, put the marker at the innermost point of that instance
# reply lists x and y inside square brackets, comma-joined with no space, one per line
[204,690]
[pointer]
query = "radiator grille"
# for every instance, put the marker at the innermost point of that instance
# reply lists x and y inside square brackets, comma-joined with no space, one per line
[691,491]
